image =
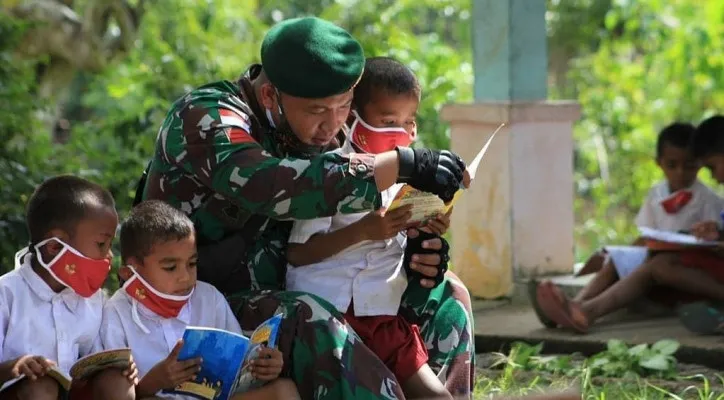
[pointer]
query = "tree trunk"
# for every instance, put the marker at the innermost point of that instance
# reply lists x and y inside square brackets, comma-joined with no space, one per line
[67,40]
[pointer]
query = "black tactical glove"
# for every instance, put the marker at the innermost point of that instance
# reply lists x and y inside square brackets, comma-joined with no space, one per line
[434,171]
[414,246]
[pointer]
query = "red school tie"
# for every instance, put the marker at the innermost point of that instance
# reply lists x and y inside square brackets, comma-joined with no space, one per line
[674,203]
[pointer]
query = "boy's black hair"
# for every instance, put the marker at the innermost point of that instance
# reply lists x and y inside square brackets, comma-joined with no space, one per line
[62,202]
[709,137]
[387,74]
[149,223]
[677,134]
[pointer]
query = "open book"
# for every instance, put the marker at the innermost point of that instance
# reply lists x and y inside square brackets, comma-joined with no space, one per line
[225,369]
[664,240]
[427,205]
[86,367]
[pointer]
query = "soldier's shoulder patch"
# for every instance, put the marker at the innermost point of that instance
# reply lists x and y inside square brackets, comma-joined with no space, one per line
[238,128]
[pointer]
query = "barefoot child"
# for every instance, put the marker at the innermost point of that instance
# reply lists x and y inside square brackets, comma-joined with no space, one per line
[355,261]
[161,296]
[685,274]
[51,305]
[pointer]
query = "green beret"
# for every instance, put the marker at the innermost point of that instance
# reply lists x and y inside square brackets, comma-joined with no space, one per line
[311,58]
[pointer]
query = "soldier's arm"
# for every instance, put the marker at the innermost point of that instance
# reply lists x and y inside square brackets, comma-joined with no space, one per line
[215,146]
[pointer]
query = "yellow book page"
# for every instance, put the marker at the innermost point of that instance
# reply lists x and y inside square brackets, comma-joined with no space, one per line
[89,365]
[424,205]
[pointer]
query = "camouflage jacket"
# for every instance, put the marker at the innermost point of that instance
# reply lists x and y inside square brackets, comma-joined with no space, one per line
[218,160]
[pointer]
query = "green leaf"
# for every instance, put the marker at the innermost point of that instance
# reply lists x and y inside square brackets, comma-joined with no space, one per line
[658,362]
[617,347]
[666,347]
[638,349]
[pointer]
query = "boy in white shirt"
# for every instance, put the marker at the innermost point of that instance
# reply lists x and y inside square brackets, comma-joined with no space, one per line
[51,304]
[356,261]
[161,296]
[676,204]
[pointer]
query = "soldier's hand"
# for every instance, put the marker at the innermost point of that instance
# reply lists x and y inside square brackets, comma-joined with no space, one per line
[434,171]
[382,224]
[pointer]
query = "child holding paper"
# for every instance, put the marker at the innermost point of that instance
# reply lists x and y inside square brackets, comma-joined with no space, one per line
[161,297]
[627,273]
[51,305]
[356,261]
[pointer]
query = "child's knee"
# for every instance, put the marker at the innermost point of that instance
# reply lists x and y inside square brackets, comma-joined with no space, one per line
[285,389]
[664,267]
[45,388]
[111,384]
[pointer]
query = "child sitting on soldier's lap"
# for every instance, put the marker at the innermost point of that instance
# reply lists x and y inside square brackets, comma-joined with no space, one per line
[51,304]
[686,275]
[355,261]
[161,296]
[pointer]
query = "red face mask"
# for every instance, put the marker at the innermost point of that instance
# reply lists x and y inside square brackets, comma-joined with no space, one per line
[674,203]
[378,140]
[164,305]
[81,274]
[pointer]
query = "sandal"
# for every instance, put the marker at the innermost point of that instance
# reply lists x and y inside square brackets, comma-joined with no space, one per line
[533,297]
[701,317]
[556,306]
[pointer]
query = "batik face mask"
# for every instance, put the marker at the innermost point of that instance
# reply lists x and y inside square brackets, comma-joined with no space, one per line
[162,304]
[378,140]
[81,274]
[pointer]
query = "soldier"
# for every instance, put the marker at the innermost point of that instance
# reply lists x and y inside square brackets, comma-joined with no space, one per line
[225,155]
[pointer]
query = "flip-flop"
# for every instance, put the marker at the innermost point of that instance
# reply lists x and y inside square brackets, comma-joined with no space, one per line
[701,317]
[533,297]
[556,306]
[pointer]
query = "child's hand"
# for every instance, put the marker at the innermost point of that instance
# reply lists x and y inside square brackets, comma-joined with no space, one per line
[268,365]
[169,373]
[33,367]
[131,373]
[382,224]
[707,230]
[438,225]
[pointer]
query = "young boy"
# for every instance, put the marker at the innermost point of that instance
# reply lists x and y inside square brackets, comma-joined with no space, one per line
[355,261]
[693,273]
[51,305]
[161,296]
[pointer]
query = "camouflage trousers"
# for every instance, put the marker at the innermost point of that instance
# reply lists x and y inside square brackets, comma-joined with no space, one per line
[327,360]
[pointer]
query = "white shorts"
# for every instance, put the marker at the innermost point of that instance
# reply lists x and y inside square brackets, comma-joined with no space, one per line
[626,258]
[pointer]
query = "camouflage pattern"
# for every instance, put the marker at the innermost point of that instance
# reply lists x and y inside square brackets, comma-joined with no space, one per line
[219,161]
[445,317]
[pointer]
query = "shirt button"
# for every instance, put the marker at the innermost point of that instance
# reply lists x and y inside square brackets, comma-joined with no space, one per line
[361,168]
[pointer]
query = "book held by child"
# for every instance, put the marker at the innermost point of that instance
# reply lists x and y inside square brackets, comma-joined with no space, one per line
[225,369]
[427,205]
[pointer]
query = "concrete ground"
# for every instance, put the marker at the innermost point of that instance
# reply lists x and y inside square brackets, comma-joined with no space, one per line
[499,323]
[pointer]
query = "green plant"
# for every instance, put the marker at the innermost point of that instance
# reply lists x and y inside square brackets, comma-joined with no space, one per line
[641,360]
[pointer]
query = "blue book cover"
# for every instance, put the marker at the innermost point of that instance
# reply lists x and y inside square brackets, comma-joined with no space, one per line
[225,358]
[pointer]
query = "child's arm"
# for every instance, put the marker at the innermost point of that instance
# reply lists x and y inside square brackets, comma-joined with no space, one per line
[376,225]
[168,373]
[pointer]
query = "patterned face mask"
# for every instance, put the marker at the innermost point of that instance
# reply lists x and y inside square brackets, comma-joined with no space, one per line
[288,140]
[378,140]
[81,274]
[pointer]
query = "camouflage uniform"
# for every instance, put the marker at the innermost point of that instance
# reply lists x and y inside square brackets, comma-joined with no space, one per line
[218,160]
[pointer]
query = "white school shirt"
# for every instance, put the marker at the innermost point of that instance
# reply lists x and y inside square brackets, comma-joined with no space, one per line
[705,205]
[369,272]
[206,307]
[34,320]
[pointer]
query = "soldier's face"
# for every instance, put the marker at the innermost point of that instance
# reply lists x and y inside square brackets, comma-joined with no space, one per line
[170,267]
[314,121]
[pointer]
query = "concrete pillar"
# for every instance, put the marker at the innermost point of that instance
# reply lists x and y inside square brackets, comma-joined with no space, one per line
[516,221]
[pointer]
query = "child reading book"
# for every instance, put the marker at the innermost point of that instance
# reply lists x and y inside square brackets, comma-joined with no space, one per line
[51,304]
[686,274]
[355,261]
[161,297]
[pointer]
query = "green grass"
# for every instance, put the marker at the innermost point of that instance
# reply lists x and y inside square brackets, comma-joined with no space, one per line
[510,383]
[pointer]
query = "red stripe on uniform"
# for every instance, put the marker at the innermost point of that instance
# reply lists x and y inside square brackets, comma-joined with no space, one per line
[238,135]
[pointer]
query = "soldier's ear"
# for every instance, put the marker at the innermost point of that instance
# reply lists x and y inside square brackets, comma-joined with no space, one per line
[268,96]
